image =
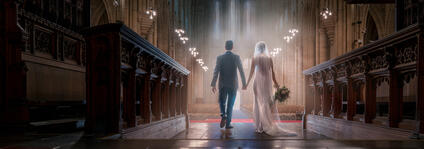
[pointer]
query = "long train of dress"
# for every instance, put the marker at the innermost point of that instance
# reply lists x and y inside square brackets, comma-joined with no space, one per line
[265,114]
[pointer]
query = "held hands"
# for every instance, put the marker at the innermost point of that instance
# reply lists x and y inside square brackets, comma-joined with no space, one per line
[213,89]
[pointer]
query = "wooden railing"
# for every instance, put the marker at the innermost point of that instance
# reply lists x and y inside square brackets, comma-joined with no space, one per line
[129,81]
[345,87]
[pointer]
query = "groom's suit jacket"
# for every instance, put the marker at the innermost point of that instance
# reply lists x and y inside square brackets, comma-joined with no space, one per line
[226,68]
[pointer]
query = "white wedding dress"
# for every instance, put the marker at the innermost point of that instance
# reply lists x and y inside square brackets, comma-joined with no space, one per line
[265,114]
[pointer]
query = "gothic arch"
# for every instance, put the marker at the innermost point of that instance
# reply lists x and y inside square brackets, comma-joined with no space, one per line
[371,31]
[377,14]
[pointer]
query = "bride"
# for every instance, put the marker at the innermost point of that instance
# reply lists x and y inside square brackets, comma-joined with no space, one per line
[265,111]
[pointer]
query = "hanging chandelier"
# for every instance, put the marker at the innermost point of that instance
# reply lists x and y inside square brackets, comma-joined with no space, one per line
[293,32]
[325,13]
[151,12]
[180,32]
[184,39]
[275,51]
[194,53]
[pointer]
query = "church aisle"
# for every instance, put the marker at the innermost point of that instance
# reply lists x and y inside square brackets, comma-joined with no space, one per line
[207,128]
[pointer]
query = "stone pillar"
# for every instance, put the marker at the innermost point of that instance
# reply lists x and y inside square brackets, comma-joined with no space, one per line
[317,98]
[164,93]
[156,99]
[172,94]
[336,105]
[309,95]
[370,99]
[326,101]
[155,77]
[420,82]
[129,98]
[395,96]
[146,102]
[351,105]
[13,109]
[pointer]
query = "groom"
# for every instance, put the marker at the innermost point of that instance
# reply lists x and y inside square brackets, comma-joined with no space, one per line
[226,68]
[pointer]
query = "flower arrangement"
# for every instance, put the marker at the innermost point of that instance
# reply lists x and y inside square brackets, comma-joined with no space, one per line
[281,94]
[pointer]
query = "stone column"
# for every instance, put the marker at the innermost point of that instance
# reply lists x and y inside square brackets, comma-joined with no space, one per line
[156,99]
[164,93]
[155,77]
[129,98]
[370,99]
[351,105]
[420,82]
[395,96]
[317,98]
[146,102]
[172,94]
[13,109]
[326,101]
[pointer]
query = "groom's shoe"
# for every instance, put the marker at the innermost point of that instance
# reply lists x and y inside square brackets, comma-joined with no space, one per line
[223,121]
[229,127]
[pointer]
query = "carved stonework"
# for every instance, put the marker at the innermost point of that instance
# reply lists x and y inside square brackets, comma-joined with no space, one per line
[42,41]
[378,60]
[69,48]
[155,66]
[407,77]
[310,79]
[357,66]
[125,53]
[407,53]
[164,74]
[380,80]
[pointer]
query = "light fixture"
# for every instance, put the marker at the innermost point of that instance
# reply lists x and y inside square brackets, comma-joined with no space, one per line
[205,68]
[288,38]
[293,31]
[325,13]
[180,32]
[184,39]
[194,53]
[275,51]
[151,12]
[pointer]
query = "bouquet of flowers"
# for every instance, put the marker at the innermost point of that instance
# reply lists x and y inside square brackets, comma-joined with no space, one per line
[281,94]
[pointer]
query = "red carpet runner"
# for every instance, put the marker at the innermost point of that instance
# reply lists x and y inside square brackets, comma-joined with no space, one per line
[239,121]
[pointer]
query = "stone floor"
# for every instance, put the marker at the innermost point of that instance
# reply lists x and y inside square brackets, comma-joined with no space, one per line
[204,132]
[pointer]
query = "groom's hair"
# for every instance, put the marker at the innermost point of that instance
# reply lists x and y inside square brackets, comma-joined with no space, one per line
[229,45]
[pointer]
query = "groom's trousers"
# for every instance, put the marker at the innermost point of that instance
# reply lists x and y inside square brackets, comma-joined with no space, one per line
[227,94]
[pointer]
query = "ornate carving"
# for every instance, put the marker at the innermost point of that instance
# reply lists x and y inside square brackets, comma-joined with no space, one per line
[407,77]
[341,70]
[69,48]
[379,60]
[310,79]
[142,61]
[125,54]
[357,66]
[406,53]
[43,41]
[156,65]
[380,80]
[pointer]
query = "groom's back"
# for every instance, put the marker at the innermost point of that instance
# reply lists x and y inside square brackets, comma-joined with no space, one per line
[228,70]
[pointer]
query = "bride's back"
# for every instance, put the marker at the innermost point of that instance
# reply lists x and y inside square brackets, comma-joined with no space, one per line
[262,65]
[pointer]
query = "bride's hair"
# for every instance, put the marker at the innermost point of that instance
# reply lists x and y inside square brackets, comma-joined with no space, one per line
[261,48]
